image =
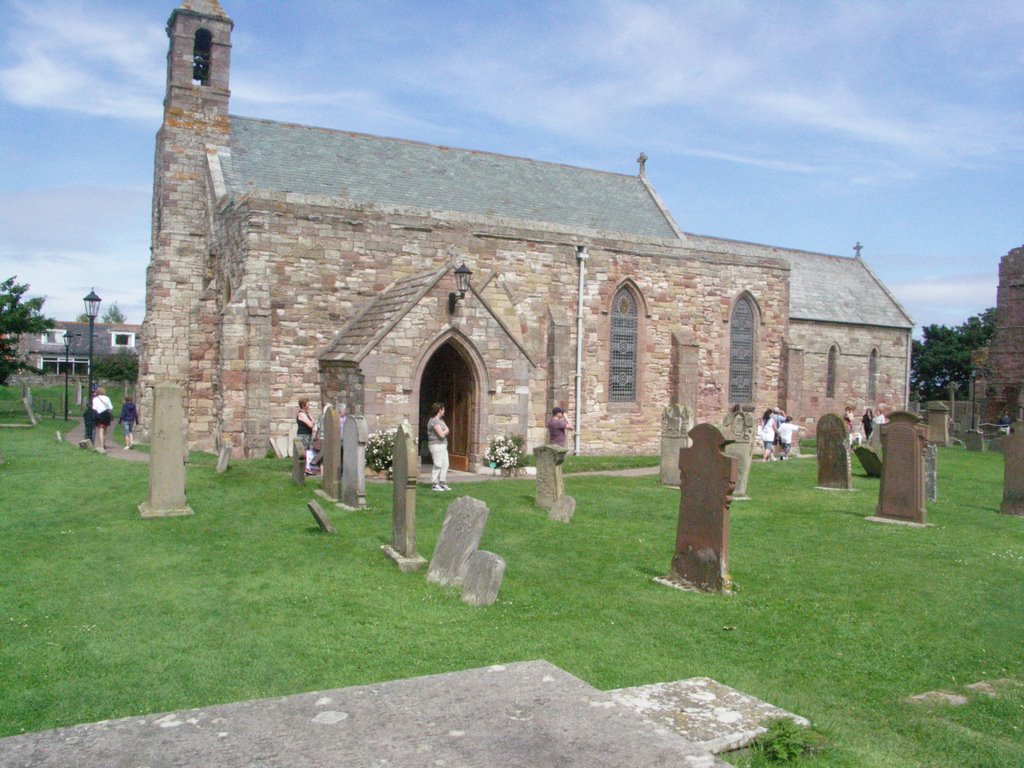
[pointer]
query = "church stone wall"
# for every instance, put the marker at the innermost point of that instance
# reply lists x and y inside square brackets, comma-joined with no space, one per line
[1004,391]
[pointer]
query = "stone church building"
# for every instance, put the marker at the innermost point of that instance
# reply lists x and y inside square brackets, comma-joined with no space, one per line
[290,261]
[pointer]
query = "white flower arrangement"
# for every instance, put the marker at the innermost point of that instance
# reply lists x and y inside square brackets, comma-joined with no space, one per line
[380,447]
[505,452]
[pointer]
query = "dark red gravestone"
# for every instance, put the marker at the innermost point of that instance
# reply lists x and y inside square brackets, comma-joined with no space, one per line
[707,478]
[901,496]
[1013,471]
[833,453]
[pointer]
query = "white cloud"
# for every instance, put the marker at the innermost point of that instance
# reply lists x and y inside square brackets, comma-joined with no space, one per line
[947,300]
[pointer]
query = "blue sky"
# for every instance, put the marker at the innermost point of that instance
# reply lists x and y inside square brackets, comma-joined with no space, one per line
[810,125]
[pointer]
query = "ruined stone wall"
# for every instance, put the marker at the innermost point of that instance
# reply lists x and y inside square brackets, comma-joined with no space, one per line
[1003,390]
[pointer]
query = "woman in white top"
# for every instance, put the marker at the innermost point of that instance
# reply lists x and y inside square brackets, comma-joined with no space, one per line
[767,435]
[104,412]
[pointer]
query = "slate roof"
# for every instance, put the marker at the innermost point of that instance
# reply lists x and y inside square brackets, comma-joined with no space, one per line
[834,289]
[284,157]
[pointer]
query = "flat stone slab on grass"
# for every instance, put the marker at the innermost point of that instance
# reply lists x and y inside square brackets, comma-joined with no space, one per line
[990,688]
[529,715]
[704,712]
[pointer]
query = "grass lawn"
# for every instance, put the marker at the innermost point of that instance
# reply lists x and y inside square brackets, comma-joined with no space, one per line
[104,615]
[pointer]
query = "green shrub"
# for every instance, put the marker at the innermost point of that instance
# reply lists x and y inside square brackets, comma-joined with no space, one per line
[783,742]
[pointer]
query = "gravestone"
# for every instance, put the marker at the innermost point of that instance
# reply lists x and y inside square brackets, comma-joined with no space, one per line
[484,573]
[298,462]
[676,423]
[938,422]
[1013,471]
[563,510]
[901,495]
[224,459]
[167,455]
[869,459]
[353,473]
[931,474]
[405,461]
[330,469]
[974,441]
[321,517]
[460,537]
[740,427]
[27,402]
[707,478]
[833,454]
[550,486]
[60,437]
[78,393]
[875,440]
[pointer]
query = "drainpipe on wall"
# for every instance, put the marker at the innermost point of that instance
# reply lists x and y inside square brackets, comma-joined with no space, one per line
[581,261]
[906,371]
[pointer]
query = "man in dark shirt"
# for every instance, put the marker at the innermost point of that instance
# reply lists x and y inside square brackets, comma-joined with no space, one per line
[557,426]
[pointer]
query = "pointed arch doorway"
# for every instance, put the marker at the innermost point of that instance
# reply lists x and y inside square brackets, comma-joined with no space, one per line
[448,378]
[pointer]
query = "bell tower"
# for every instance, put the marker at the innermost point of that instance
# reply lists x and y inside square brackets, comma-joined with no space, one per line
[195,118]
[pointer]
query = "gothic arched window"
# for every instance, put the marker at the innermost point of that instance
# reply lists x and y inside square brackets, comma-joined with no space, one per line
[201,51]
[872,375]
[741,352]
[622,365]
[830,375]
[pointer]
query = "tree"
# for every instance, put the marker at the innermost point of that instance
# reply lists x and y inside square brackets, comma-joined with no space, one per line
[17,317]
[113,315]
[943,356]
[123,366]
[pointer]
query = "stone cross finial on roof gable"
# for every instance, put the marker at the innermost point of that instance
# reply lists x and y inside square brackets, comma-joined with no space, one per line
[857,248]
[642,160]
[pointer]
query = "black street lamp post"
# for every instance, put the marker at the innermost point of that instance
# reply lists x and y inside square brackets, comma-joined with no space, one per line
[67,358]
[92,309]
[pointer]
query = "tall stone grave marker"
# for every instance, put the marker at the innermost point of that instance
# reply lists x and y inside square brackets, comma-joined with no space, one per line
[676,423]
[1013,471]
[833,454]
[740,429]
[331,467]
[27,402]
[167,455]
[901,495]
[707,478]
[938,422]
[460,537]
[931,472]
[224,459]
[405,461]
[550,485]
[353,475]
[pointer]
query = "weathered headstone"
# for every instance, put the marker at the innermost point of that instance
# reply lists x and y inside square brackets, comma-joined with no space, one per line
[869,459]
[563,509]
[833,454]
[1013,471]
[550,485]
[875,440]
[321,517]
[353,474]
[974,441]
[707,478]
[484,573]
[298,462]
[78,393]
[27,402]
[676,423]
[167,455]
[460,537]
[331,467]
[224,459]
[938,422]
[405,463]
[60,437]
[740,429]
[901,495]
[931,473]
[280,446]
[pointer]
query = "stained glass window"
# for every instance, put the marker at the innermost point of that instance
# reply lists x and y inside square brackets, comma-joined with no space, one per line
[830,376]
[872,375]
[741,352]
[622,378]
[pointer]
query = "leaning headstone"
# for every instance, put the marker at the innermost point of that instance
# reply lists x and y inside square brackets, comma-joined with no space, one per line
[974,441]
[405,463]
[563,509]
[676,423]
[869,459]
[27,402]
[931,474]
[353,473]
[739,428]
[224,459]
[298,462]
[167,455]
[280,446]
[938,422]
[78,393]
[1013,471]
[330,470]
[901,495]
[60,437]
[833,454]
[460,537]
[706,481]
[321,517]
[484,573]
[550,486]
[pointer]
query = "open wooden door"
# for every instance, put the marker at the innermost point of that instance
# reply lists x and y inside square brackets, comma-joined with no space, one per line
[448,378]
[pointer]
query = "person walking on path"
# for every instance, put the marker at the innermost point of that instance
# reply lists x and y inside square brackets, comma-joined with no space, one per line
[128,419]
[104,414]
[437,441]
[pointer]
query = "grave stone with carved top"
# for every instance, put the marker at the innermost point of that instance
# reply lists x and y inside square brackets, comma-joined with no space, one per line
[676,423]
[938,422]
[740,430]
[901,496]
[833,454]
